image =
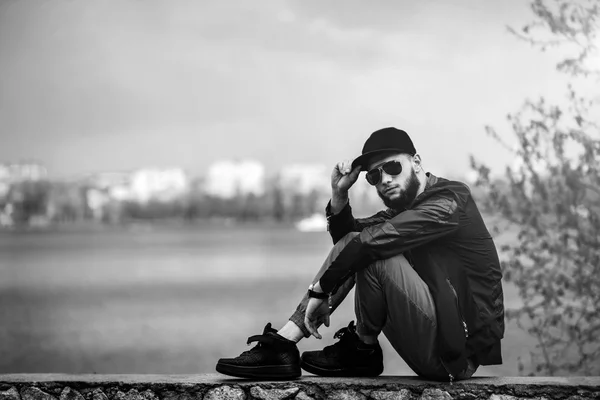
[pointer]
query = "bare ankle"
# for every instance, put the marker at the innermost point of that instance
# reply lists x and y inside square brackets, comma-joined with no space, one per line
[291,331]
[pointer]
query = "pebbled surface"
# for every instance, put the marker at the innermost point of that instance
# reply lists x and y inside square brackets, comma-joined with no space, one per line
[215,386]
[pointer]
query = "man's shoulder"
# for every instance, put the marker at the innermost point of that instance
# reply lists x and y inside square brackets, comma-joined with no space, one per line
[438,184]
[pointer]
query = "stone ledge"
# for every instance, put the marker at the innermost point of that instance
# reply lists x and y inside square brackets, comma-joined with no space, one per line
[214,386]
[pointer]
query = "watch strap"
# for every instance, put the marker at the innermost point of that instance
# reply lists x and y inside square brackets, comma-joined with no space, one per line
[316,295]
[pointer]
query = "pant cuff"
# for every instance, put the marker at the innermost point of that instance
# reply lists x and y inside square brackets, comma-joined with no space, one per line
[298,319]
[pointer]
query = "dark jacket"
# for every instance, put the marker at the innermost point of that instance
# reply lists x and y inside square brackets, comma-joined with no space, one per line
[444,237]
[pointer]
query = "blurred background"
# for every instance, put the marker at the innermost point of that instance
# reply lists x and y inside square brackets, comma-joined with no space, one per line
[165,165]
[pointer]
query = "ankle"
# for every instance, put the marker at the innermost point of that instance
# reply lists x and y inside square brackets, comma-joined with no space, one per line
[291,331]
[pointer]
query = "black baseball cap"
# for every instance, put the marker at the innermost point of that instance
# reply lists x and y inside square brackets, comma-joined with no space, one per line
[386,140]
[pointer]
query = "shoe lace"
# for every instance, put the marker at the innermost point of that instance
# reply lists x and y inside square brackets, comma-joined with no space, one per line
[341,333]
[263,341]
[345,336]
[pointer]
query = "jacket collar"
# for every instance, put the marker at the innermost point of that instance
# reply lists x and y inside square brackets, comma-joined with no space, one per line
[431,180]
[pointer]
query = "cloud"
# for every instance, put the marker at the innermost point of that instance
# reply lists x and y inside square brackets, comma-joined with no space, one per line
[383,16]
[104,66]
[296,81]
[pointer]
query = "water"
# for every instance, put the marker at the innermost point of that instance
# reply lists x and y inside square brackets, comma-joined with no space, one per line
[166,299]
[150,255]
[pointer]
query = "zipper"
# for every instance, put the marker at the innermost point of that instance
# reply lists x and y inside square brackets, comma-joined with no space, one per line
[450,376]
[337,286]
[464,323]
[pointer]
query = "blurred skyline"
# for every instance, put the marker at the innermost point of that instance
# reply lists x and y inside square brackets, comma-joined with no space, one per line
[120,85]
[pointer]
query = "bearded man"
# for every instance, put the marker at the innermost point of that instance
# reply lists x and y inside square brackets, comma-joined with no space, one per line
[426,272]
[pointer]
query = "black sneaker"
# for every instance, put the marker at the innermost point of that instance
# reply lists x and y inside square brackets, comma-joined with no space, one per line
[349,357]
[274,357]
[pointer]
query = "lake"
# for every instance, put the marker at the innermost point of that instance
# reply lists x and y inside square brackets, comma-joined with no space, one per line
[163,299]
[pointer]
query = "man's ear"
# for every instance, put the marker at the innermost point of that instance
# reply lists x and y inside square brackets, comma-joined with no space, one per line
[417,163]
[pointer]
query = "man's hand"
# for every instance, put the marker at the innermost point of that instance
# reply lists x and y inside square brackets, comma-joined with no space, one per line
[317,312]
[342,178]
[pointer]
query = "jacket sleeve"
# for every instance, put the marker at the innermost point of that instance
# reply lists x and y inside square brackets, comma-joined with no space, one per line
[433,218]
[342,223]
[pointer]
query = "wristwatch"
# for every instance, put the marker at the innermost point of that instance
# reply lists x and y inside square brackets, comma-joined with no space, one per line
[316,295]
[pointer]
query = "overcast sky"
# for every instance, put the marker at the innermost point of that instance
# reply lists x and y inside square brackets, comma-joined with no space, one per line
[90,86]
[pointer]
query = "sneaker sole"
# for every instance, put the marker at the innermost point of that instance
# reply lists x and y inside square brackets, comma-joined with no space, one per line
[288,371]
[342,373]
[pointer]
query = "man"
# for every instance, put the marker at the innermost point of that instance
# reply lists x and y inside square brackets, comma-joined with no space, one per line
[426,272]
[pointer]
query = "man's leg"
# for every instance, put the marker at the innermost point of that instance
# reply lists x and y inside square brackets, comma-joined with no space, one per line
[392,298]
[277,356]
[295,329]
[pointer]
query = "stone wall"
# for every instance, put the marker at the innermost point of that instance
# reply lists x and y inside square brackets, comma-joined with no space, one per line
[213,387]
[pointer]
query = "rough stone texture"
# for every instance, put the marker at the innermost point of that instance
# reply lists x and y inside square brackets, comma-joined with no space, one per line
[346,394]
[133,394]
[314,392]
[34,393]
[303,396]
[217,387]
[70,394]
[435,394]
[273,394]
[178,396]
[461,394]
[98,394]
[502,397]
[403,394]
[583,396]
[10,394]
[225,393]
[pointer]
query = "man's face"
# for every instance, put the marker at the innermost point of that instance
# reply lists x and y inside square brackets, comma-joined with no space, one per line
[397,191]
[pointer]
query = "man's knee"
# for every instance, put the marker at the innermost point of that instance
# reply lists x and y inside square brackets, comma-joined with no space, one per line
[394,275]
[388,266]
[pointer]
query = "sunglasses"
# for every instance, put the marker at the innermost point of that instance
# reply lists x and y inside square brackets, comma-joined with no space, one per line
[391,168]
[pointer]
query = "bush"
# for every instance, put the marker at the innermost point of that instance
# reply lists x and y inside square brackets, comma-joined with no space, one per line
[552,197]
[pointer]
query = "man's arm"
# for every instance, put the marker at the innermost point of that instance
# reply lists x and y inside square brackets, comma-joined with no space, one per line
[343,222]
[435,217]
[339,199]
[340,221]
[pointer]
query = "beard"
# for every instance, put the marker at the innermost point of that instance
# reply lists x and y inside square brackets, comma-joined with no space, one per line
[406,197]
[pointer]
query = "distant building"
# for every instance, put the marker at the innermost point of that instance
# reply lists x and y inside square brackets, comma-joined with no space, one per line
[6,218]
[305,178]
[110,185]
[107,180]
[141,185]
[17,172]
[226,179]
[158,184]
[4,188]
[315,180]
[109,189]
[97,201]
[10,174]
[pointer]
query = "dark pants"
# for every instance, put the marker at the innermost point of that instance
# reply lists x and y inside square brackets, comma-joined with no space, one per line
[392,298]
